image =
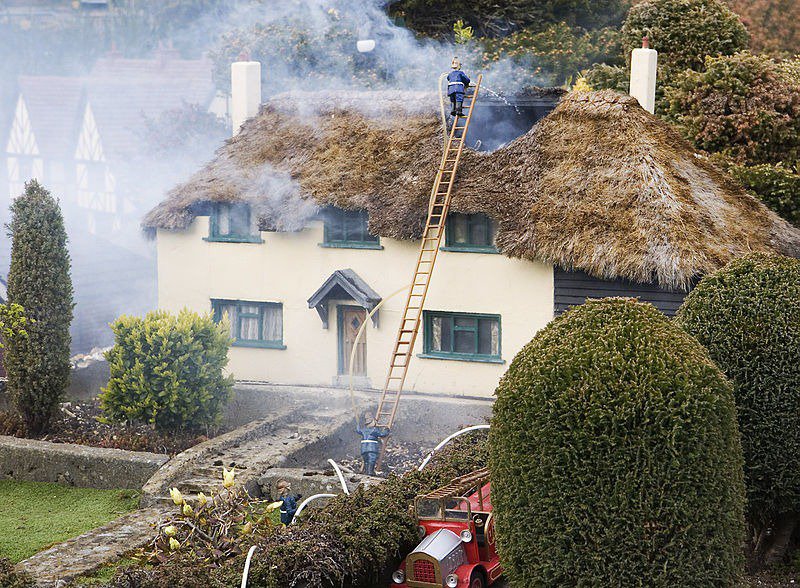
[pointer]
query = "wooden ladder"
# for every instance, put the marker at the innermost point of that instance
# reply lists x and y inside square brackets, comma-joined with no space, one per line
[438,208]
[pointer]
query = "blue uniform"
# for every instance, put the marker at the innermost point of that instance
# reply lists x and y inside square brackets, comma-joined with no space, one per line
[370,446]
[288,508]
[457,82]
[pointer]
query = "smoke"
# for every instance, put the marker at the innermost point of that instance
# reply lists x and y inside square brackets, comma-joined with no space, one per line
[305,46]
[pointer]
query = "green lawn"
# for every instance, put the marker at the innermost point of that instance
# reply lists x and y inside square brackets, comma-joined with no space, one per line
[35,515]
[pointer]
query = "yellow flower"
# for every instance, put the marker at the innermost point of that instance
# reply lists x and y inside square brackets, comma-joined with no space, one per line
[247,528]
[170,531]
[227,477]
[176,496]
[273,505]
[187,510]
[174,544]
[202,499]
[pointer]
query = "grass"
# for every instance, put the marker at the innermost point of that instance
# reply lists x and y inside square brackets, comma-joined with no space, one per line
[34,515]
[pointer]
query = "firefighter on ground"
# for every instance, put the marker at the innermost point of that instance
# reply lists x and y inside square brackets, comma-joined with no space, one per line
[370,446]
[457,83]
[289,506]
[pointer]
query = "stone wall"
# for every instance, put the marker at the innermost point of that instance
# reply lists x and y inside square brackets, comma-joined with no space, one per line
[76,465]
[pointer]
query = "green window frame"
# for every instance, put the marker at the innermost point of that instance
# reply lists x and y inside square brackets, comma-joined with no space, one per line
[232,222]
[462,336]
[348,229]
[253,324]
[473,233]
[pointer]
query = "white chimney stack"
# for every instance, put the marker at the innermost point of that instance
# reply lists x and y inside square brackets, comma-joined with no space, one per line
[644,64]
[245,92]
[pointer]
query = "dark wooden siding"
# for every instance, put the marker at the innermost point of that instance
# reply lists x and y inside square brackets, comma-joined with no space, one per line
[574,287]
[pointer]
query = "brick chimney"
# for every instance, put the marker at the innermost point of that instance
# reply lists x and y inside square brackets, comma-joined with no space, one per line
[245,92]
[644,64]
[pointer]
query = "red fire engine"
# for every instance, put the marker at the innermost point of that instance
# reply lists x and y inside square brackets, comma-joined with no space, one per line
[458,542]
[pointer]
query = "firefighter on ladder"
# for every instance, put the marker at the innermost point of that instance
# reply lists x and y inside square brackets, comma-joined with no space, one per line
[457,84]
[370,446]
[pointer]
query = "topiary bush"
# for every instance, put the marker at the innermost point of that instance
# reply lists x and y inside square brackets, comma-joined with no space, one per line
[748,317]
[167,370]
[684,32]
[615,456]
[37,364]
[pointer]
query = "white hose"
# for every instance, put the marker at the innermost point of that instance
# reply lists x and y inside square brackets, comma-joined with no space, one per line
[247,565]
[341,476]
[446,441]
[306,501]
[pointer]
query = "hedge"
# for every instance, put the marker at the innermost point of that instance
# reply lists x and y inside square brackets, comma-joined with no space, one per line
[748,317]
[615,456]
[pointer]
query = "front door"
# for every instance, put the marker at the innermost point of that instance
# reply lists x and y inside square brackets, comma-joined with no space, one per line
[350,319]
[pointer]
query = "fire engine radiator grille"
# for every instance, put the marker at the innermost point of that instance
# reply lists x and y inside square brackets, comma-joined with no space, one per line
[424,571]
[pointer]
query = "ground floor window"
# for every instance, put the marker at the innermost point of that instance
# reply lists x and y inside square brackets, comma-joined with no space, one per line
[471,337]
[253,324]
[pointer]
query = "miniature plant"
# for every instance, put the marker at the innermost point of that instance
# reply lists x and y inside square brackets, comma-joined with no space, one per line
[615,456]
[38,364]
[167,370]
[463,33]
[12,322]
[213,528]
[748,317]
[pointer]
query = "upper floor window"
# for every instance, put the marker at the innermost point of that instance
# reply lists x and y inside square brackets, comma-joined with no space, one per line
[233,222]
[348,228]
[253,324]
[464,336]
[470,232]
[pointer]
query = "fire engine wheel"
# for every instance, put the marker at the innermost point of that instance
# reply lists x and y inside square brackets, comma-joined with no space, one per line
[476,580]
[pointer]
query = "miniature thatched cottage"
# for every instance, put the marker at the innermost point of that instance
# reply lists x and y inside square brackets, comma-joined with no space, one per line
[303,223]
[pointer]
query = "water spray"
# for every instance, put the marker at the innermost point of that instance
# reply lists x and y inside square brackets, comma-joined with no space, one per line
[446,441]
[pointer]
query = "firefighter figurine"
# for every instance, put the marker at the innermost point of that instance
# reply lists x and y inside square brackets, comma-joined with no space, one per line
[457,83]
[370,446]
[289,506]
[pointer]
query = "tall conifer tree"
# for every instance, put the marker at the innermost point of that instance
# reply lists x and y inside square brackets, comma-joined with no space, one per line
[39,280]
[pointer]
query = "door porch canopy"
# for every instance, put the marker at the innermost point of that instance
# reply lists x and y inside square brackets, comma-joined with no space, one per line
[344,284]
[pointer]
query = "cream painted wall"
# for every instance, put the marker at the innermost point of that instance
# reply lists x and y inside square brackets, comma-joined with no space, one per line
[289,267]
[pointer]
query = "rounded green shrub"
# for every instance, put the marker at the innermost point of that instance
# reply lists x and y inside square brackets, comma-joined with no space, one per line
[615,456]
[167,370]
[684,31]
[748,317]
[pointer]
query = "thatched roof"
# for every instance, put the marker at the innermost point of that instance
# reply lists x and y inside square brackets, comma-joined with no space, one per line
[598,185]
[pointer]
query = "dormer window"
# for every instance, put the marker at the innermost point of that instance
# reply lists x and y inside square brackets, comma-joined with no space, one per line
[233,222]
[470,232]
[349,229]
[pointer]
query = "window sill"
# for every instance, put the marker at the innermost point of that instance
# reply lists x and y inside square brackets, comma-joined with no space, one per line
[351,245]
[233,239]
[466,249]
[454,357]
[258,344]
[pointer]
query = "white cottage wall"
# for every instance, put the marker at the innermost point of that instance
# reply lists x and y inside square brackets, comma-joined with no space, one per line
[289,267]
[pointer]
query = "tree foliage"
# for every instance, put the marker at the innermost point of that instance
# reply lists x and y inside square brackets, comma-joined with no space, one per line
[557,52]
[39,280]
[615,456]
[498,19]
[684,32]
[744,106]
[12,322]
[748,317]
[774,25]
[166,370]
[777,186]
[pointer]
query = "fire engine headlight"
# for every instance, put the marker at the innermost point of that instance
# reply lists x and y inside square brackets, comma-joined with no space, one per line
[398,577]
[421,532]
[466,536]
[451,581]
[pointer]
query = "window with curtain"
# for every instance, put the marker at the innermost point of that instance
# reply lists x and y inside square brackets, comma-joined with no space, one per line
[470,232]
[348,228]
[233,222]
[253,324]
[452,335]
